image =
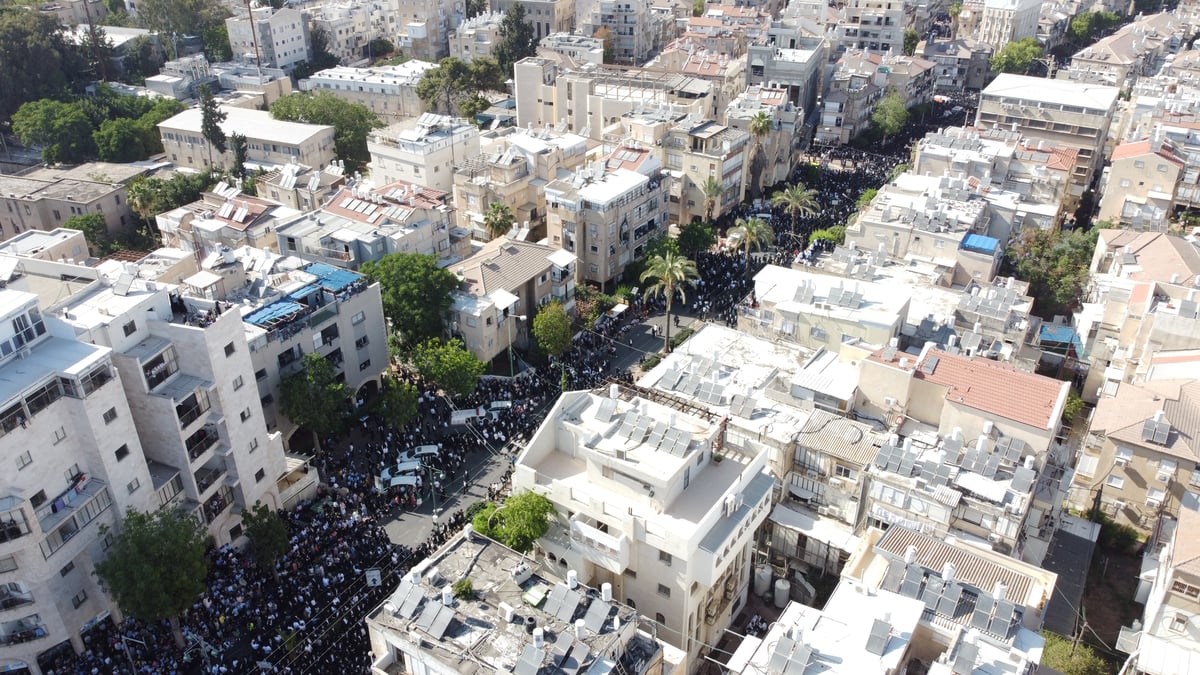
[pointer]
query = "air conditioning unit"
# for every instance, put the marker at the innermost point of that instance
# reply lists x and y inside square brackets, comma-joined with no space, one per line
[890,401]
[833,511]
[994,538]
[835,483]
[823,510]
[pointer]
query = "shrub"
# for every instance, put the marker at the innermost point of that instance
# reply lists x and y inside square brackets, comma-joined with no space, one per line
[463,589]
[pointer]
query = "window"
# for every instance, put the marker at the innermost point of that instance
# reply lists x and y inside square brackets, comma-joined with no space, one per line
[842,471]
[79,599]
[1166,470]
[664,591]
[1139,164]
[245,414]
[72,474]
[818,333]
[67,569]
[1123,456]
[253,444]
[660,619]
[238,382]
[229,350]
[362,342]
[631,574]
[133,485]
[8,563]
[358,318]
[1179,622]
[38,499]
[1125,182]
[260,374]
[110,415]
[664,558]
[106,541]
[1186,589]
[122,452]
[259,475]
[1195,478]
[24,459]
[1115,482]
[1154,497]
[130,328]
[364,365]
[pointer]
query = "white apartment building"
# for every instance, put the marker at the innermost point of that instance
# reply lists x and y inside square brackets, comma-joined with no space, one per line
[419,27]
[283,38]
[220,219]
[1005,21]
[390,92]
[578,48]
[793,63]
[656,504]
[348,27]
[636,31]
[772,157]
[300,187]
[546,16]
[475,37]
[271,143]
[423,151]
[875,25]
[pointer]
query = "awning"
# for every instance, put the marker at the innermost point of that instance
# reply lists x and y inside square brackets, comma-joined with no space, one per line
[826,530]
[800,492]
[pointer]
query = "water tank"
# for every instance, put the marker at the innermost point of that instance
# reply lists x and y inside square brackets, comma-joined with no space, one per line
[783,592]
[762,580]
[539,638]
[606,592]
[447,596]
[572,579]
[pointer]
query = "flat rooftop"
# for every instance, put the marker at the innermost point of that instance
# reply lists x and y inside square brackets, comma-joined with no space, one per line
[1090,97]
[796,291]
[50,356]
[253,124]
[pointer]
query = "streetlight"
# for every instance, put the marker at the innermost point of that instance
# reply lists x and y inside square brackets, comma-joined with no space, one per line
[511,368]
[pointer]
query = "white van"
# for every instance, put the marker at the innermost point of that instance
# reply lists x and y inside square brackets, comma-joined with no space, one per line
[493,410]
[409,467]
[420,453]
[384,485]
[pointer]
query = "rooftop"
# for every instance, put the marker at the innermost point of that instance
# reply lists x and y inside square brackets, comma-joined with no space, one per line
[1090,97]
[995,388]
[99,172]
[253,124]
[504,263]
[61,189]
[1130,417]
[1159,256]
[797,291]
[404,74]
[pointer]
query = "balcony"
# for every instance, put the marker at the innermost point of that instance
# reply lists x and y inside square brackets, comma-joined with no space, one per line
[23,630]
[207,476]
[217,504]
[201,440]
[612,552]
[11,599]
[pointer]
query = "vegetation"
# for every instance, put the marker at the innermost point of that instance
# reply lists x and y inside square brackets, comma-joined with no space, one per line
[351,122]
[476,7]
[38,60]
[865,199]
[216,43]
[755,233]
[182,17]
[464,589]
[454,82]
[695,237]
[796,201]
[397,401]
[1087,27]
[416,295]
[1114,536]
[911,39]
[1067,657]
[449,364]
[1055,263]
[835,235]
[313,398]
[268,536]
[698,7]
[761,124]
[667,274]
[552,329]
[498,220]
[1073,407]
[156,568]
[1017,57]
[108,126]
[605,36]
[521,521]
[517,39]
[240,150]
[149,197]
[95,230]
[712,190]
[211,117]
[380,47]
[890,115]
[322,58]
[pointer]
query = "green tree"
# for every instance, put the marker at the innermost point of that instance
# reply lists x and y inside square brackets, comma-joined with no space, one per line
[472,106]
[954,11]
[796,201]
[454,85]
[37,60]
[240,149]
[476,7]
[216,43]
[517,38]
[1055,263]
[211,117]
[865,199]
[498,219]
[351,122]
[321,59]
[180,17]
[448,364]
[835,235]
[522,520]
[62,129]
[756,233]
[155,568]
[712,189]
[695,237]
[119,140]
[1087,26]
[1017,57]
[608,44]
[890,115]
[381,47]
[667,274]
[1072,407]
[397,401]
[312,397]
[761,125]
[911,39]
[95,231]
[1063,655]
[268,536]
[552,329]
[141,60]
[149,197]
[416,294]
[698,7]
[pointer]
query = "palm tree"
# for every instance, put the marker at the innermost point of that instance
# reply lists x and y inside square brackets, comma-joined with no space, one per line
[670,272]
[498,219]
[796,201]
[760,125]
[755,233]
[712,190]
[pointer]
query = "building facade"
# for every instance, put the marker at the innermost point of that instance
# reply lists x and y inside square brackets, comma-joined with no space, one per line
[390,92]
[283,38]
[270,143]
[423,153]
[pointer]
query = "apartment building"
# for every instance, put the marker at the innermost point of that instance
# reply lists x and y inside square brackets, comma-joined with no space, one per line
[1005,21]
[1137,49]
[727,75]
[773,156]
[579,49]
[1140,185]
[960,64]
[504,284]
[1175,127]
[795,68]
[282,36]
[607,211]
[301,187]
[390,92]
[360,224]
[270,143]
[419,28]
[476,36]
[422,151]
[422,613]
[637,32]
[546,16]
[859,80]
[348,27]
[512,169]
[1069,114]
[678,546]
[220,219]
[46,203]
[875,25]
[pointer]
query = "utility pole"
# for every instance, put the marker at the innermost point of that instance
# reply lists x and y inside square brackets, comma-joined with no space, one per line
[129,655]
[254,36]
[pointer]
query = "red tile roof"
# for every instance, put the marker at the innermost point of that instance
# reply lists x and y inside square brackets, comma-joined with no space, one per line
[1138,148]
[995,388]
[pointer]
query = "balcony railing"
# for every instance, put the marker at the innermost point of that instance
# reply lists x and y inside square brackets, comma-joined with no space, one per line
[191,413]
[26,633]
[218,503]
[206,477]
[11,599]
[199,442]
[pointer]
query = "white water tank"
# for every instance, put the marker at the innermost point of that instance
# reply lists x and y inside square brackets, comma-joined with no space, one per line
[606,592]
[762,580]
[572,579]
[539,638]
[579,628]
[783,592]
[447,596]
[507,611]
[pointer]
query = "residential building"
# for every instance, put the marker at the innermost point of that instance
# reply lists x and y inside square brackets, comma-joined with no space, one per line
[728,28]
[1137,462]
[270,143]
[417,151]
[513,169]
[546,16]
[75,12]
[271,84]
[1135,50]
[390,92]
[419,27]
[46,203]
[1182,131]
[875,25]
[1068,114]
[301,187]
[504,283]
[220,219]
[360,224]
[772,157]
[1005,21]
[820,311]
[282,36]
[1140,189]
[637,32]
[960,64]
[679,545]
[726,75]
[422,628]
[57,244]
[477,36]
[579,49]
[860,79]
[607,211]
[348,28]
[793,63]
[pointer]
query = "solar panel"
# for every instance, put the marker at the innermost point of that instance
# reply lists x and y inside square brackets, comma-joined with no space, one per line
[964,662]
[597,615]
[990,465]
[893,577]
[123,284]
[1148,430]
[948,605]
[530,662]
[657,434]
[643,426]
[931,365]
[554,601]
[226,210]
[742,406]
[607,408]
[1162,431]
[629,424]
[570,602]
[933,592]
[671,377]
[435,619]
[241,214]
[835,296]
[1023,479]
[906,464]
[798,661]
[877,642]
[779,657]
[911,587]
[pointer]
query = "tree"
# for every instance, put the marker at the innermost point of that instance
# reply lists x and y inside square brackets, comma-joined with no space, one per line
[95,231]
[216,43]
[755,233]
[517,39]
[37,60]
[608,44]
[476,7]
[695,237]
[441,88]
[448,364]
[552,329]
[211,117]
[712,190]
[62,129]
[180,17]
[1017,57]
[954,11]
[397,401]
[796,201]
[1072,407]
[156,568]
[380,47]
[140,60]
[1063,655]
[668,273]
[240,149]
[268,536]
[351,122]
[890,115]
[472,106]
[498,219]
[698,7]
[416,294]
[761,124]
[149,197]
[1087,26]
[119,140]
[312,397]
[911,39]
[868,196]
[835,235]
[1055,263]
[522,520]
